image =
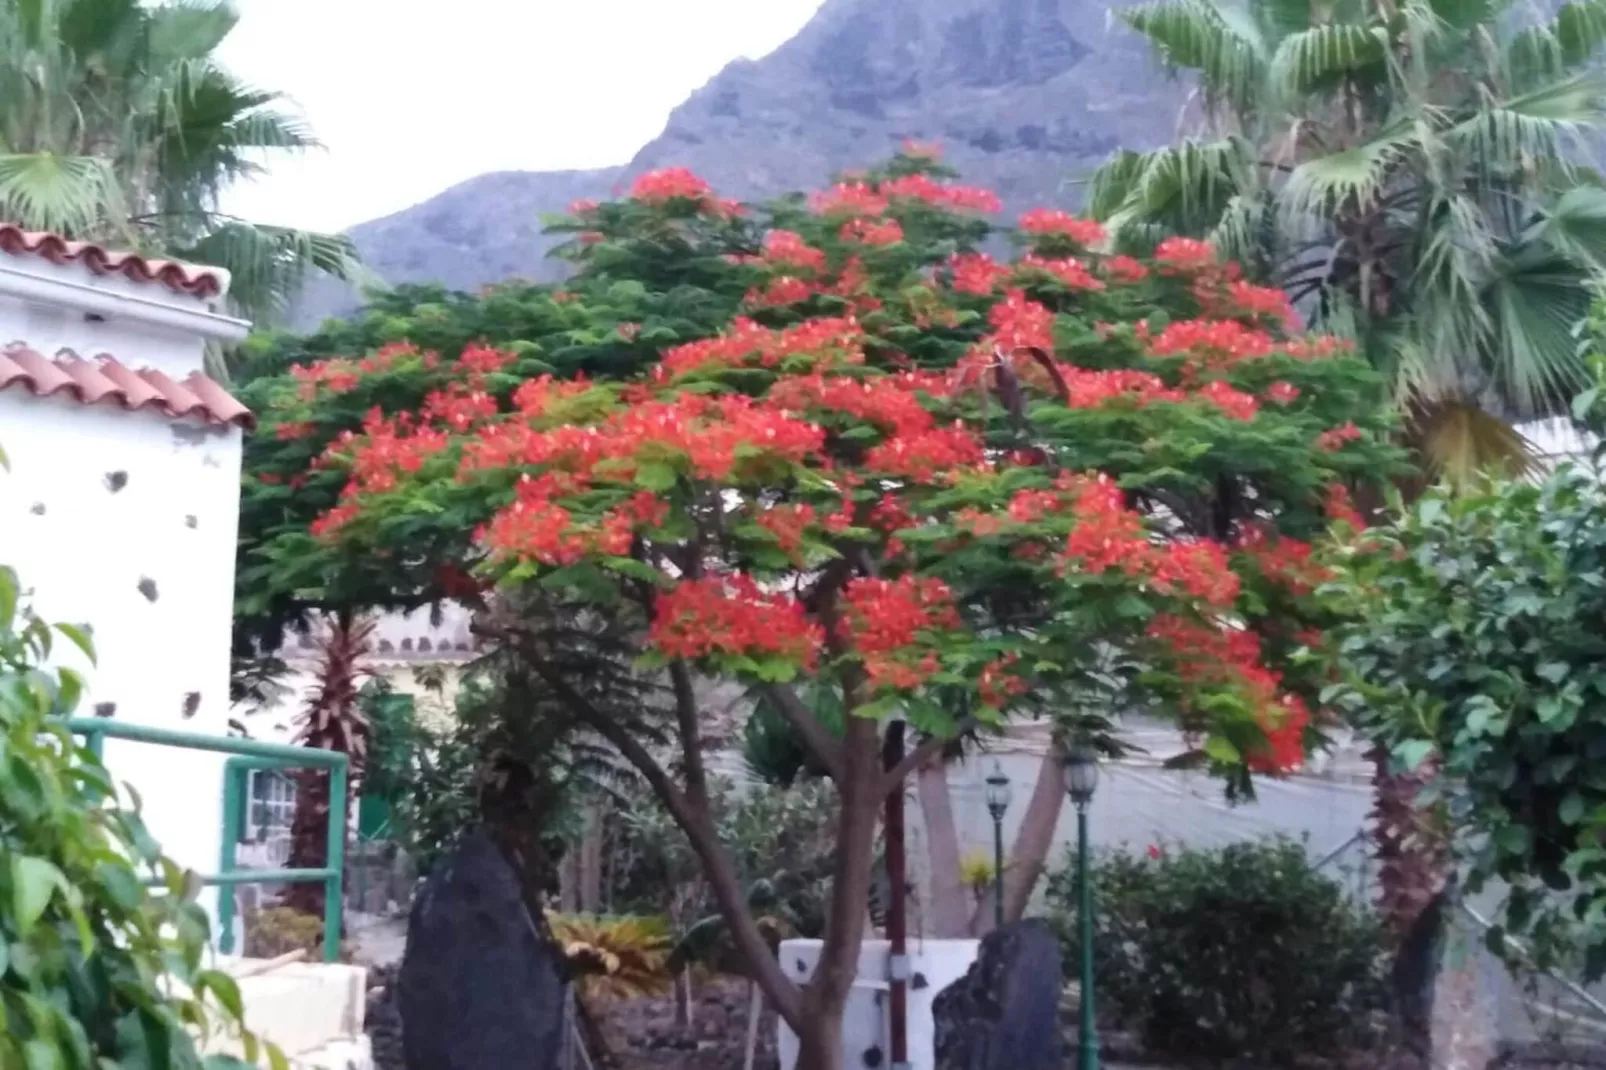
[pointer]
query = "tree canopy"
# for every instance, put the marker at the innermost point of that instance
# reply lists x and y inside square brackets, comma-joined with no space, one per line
[828,445]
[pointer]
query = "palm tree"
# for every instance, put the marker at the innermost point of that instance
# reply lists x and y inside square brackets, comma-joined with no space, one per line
[332,720]
[1411,171]
[118,126]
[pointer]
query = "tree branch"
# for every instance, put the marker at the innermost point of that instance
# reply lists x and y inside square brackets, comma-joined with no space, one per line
[813,735]
[922,753]
[691,736]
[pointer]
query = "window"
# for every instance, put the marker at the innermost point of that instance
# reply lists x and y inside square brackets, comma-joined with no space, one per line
[273,803]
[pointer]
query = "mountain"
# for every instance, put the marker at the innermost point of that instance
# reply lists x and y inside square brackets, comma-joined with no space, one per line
[1024,95]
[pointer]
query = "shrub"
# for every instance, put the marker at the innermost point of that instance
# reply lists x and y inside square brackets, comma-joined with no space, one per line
[275,931]
[95,970]
[614,958]
[1240,951]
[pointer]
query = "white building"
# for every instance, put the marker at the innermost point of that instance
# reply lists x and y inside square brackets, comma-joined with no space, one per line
[121,504]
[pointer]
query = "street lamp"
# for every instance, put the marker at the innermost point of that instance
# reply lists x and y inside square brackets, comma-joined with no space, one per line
[1081,780]
[998,796]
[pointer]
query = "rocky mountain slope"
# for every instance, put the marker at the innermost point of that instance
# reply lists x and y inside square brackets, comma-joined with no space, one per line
[1024,95]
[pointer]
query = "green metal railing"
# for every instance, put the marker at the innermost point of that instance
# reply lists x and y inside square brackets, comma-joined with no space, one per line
[247,755]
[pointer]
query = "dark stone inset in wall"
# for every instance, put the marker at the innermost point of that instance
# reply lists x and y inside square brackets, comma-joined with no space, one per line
[105,709]
[147,587]
[190,521]
[192,703]
[38,509]
[116,481]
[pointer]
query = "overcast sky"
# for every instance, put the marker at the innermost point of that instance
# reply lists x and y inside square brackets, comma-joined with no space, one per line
[412,96]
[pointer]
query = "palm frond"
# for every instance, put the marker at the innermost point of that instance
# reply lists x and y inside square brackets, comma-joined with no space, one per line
[1537,304]
[1349,179]
[1458,441]
[72,195]
[268,265]
[1544,123]
[1193,35]
[1309,61]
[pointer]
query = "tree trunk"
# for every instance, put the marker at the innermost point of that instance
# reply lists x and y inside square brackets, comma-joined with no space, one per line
[309,840]
[820,1042]
[590,860]
[1411,881]
[819,1021]
[947,916]
[1033,842]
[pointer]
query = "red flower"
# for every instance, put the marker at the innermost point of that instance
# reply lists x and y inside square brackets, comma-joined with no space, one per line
[783,248]
[787,523]
[1067,270]
[1334,439]
[869,232]
[1185,256]
[976,273]
[1044,222]
[854,199]
[669,184]
[1155,852]
[732,615]
[1021,323]
[1125,269]
[1282,393]
[1234,402]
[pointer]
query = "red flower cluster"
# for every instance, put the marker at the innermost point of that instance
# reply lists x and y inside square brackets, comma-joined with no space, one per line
[732,615]
[1341,509]
[291,430]
[1282,393]
[869,232]
[976,273]
[1020,323]
[1108,535]
[889,402]
[1044,222]
[1265,301]
[925,188]
[827,340]
[1231,657]
[998,683]
[885,621]
[481,360]
[927,456]
[340,374]
[857,199]
[1212,343]
[1185,256]
[1124,269]
[535,396]
[780,292]
[536,528]
[787,523]
[1234,402]
[459,407]
[1285,560]
[785,248]
[1068,270]
[716,436]
[1334,439]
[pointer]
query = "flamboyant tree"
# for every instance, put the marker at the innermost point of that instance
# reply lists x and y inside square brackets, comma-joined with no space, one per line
[861,459]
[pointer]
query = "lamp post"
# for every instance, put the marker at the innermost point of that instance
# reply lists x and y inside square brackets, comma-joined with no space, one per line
[1081,780]
[998,796]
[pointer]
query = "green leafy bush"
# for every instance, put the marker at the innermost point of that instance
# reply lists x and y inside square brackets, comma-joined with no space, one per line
[95,971]
[1241,951]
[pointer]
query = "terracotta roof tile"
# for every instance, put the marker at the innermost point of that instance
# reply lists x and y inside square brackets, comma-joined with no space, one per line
[182,278]
[107,380]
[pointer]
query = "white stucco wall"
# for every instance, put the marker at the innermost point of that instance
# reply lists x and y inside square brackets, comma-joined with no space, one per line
[85,550]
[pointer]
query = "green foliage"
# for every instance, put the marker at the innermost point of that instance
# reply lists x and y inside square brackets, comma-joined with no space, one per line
[95,970]
[782,841]
[1243,951]
[1446,223]
[1476,654]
